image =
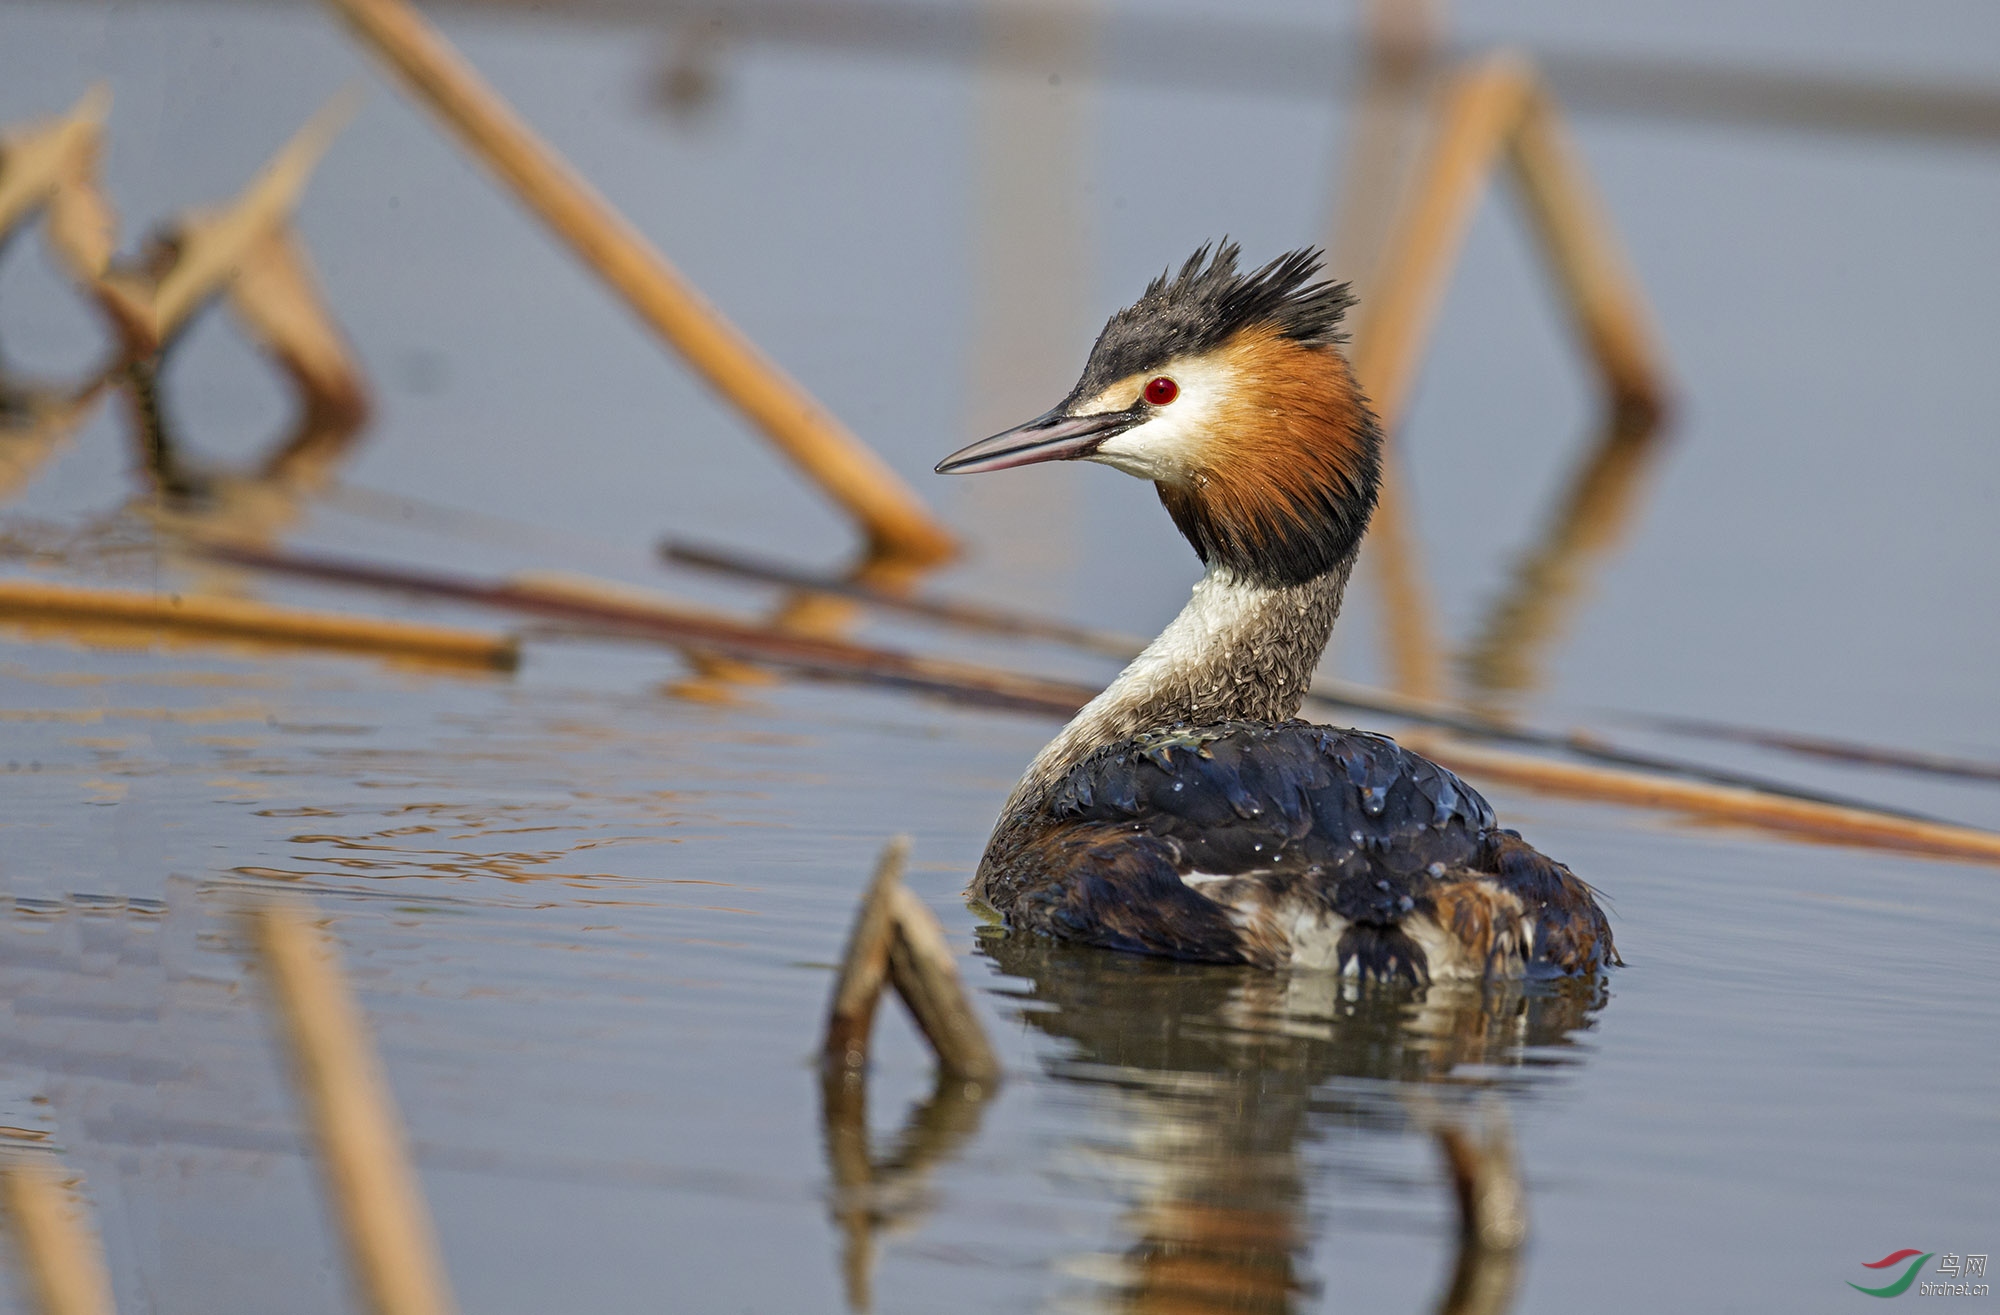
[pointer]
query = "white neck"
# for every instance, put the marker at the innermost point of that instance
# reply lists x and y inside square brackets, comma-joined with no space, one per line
[1239,650]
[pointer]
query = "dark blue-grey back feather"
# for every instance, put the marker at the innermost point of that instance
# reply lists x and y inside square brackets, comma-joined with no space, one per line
[1339,820]
[1245,796]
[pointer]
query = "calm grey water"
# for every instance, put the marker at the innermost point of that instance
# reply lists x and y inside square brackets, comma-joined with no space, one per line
[591,921]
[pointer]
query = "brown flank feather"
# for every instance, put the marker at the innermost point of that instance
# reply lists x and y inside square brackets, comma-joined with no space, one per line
[1483,919]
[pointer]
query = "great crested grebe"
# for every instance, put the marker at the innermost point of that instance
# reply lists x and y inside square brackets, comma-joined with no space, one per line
[1184,812]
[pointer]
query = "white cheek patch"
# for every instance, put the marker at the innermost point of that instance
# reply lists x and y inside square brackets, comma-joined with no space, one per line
[1170,445]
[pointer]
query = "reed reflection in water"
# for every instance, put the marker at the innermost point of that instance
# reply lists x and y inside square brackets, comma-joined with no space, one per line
[1550,584]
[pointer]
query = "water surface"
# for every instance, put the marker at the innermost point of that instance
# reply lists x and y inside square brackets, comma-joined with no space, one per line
[592,921]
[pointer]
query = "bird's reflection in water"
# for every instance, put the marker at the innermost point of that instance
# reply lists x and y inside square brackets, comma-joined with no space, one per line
[1213,1079]
[1210,1082]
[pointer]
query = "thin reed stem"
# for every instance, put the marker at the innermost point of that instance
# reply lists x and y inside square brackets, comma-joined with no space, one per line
[847,470]
[34,602]
[371,1185]
[61,1257]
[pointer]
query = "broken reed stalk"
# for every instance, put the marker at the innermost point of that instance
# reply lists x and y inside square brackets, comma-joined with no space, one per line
[692,630]
[213,245]
[1819,746]
[244,248]
[967,616]
[1597,282]
[1412,650]
[38,162]
[864,964]
[1498,104]
[847,470]
[896,940]
[60,1255]
[278,298]
[924,973]
[1398,65]
[373,1188]
[31,601]
[1494,105]
[1480,107]
[1806,818]
[1392,107]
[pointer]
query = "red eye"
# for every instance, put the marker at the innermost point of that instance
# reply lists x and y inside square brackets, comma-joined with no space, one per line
[1162,390]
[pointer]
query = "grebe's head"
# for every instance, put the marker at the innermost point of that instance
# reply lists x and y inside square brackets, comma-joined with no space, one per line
[1229,392]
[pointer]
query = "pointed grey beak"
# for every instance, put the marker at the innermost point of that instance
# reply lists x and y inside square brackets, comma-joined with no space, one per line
[1049,437]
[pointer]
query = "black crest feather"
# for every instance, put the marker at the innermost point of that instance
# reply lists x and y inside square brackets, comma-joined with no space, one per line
[1206,303]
